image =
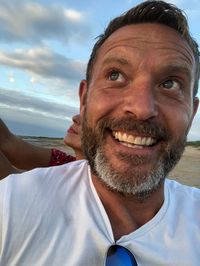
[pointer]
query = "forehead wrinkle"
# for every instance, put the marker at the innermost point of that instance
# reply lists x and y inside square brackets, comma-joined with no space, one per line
[111,45]
[134,42]
[186,54]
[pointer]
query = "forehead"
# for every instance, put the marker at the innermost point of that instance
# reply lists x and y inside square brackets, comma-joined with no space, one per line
[146,38]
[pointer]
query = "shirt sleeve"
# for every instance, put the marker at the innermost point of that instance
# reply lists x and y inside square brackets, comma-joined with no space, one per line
[59,157]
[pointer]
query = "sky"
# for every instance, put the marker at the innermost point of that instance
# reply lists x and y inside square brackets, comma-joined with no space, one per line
[44,49]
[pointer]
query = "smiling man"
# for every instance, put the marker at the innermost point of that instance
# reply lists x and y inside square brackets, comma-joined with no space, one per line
[148,72]
[117,208]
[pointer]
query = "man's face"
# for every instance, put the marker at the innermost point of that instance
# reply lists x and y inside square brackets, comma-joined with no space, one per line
[138,107]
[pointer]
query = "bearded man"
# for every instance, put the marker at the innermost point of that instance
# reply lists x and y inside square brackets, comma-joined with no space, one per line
[117,208]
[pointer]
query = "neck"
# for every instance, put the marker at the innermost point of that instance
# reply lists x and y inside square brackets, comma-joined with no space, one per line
[79,155]
[126,214]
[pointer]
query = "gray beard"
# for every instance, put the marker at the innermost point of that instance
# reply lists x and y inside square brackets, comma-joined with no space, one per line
[129,181]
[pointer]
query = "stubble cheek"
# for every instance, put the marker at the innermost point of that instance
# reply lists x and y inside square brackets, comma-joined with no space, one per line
[181,126]
[99,105]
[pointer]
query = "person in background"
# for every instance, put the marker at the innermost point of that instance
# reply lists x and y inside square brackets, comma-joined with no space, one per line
[17,155]
[73,139]
[117,207]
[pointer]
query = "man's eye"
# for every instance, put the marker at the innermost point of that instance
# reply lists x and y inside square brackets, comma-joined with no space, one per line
[115,76]
[171,84]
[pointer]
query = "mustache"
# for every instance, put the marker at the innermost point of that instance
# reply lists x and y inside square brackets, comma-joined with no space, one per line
[146,128]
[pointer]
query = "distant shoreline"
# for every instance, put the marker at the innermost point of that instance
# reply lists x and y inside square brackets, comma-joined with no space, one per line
[189,143]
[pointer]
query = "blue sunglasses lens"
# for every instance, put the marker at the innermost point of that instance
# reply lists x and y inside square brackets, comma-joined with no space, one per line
[119,256]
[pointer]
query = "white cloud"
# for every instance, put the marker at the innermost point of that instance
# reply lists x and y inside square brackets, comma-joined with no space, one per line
[34,112]
[33,80]
[32,22]
[58,75]
[11,78]
[19,100]
[45,63]
[73,15]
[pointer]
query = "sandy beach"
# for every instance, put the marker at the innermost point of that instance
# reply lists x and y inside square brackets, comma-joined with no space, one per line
[187,170]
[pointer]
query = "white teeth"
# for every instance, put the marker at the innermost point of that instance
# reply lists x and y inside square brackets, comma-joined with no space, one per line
[143,141]
[131,145]
[148,141]
[120,136]
[138,141]
[130,139]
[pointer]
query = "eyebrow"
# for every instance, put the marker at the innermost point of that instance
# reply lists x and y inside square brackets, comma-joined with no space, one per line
[118,60]
[177,68]
[173,67]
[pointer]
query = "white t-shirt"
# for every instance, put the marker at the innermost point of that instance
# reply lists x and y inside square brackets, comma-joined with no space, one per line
[54,217]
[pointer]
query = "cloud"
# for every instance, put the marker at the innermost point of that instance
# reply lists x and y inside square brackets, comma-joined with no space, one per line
[20,101]
[73,15]
[11,78]
[47,118]
[35,115]
[32,22]
[45,63]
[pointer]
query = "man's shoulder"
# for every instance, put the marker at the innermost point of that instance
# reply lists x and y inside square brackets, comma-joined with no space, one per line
[42,190]
[40,178]
[183,206]
[183,192]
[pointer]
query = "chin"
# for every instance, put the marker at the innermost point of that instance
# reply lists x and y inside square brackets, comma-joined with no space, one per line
[138,181]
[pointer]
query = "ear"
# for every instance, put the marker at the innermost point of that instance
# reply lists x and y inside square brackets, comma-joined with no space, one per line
[82,95]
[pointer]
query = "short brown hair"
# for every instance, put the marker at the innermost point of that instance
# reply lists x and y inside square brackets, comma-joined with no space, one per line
[150,12]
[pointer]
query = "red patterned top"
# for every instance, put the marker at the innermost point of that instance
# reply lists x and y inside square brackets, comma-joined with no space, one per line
[59,157]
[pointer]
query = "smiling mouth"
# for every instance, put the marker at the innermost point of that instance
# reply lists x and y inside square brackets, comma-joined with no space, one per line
[133,141]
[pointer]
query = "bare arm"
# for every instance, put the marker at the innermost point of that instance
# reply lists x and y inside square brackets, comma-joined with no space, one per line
[20,153]
[6,167]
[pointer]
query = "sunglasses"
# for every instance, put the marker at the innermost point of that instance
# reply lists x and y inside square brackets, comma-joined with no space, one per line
[119,256]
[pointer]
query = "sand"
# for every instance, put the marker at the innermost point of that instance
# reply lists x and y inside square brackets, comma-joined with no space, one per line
[187,170]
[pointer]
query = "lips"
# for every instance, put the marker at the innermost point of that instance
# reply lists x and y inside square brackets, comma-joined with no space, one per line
[130,140]
[71,130]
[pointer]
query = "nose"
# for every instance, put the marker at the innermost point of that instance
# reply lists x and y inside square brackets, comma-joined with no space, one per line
[76,119]
[140,100]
